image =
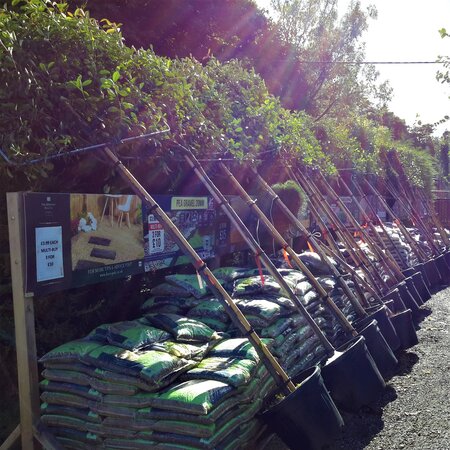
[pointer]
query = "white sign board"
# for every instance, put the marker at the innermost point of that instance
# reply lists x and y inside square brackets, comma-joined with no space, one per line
[49,253]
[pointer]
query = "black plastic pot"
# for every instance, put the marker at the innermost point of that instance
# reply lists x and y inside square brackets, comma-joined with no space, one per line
[409,301]
[413,290]
[421,286]
[447,256]
[390,304]
[381,315]
[394,295]
[352,376]
[307,418]
[404,327]
[432,272]
[380,350]
[421,268]
[443,268]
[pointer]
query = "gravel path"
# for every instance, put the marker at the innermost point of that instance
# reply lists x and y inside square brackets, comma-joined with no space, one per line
[414,411]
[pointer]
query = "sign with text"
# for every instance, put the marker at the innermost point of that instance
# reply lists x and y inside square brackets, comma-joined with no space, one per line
[78,239]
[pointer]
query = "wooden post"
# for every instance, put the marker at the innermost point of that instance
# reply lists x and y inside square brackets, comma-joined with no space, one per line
[24,325]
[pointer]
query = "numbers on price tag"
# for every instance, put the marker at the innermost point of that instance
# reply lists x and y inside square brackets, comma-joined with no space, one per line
[155,235]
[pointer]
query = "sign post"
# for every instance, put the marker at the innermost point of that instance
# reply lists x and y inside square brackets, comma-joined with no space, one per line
[24,326]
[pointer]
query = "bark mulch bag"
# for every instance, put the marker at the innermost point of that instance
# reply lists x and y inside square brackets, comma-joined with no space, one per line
[130,335]
[183,328]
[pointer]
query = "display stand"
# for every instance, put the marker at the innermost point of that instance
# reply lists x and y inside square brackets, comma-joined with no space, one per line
[29,429]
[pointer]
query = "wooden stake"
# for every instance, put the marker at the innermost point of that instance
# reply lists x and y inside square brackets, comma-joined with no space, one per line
[24,325]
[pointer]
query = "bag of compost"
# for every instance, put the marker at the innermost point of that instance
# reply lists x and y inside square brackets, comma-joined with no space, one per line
[193,397]
[161,302]
[210,308]
[232,371]
[169,290]
[183,328]
[130,335]
[71,352]
[84,414]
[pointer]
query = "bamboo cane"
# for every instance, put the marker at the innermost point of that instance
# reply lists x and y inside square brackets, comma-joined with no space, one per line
[414,246]
[425,201]
[395,267]
[253,244]
[272,365]
[413,214]
[379,257]
[330,239]
[359,257]
[323,294]
[380,222]
[434,217]
[318,248]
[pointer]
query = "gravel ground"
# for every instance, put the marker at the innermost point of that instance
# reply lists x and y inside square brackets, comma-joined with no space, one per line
[414,411]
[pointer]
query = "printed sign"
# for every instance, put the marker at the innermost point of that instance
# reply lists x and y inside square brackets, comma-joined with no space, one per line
[195,217]
[78,239]
[49,253]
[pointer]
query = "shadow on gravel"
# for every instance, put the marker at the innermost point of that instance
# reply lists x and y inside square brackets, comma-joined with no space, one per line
[406,361]
[362,426]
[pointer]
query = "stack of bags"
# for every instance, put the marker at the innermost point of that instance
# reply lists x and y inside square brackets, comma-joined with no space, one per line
[397,245]
[137,385]
[182,376]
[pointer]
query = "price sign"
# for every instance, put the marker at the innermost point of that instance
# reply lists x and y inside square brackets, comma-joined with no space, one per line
[49,253]
[155,235]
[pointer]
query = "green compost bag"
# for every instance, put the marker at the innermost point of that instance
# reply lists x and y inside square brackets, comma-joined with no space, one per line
[277,327]
[130,335]
[70,388]
[193,351]
[71,352]
[190,283]
[162,414]
[169,290]
[63,399]
[254,285]
[193,397]
[161,303]
[210,308]
[238,348]
[264,309]
[216,325]
[84,414]
[183,328]
[156,368]
[232,371]
[163,426]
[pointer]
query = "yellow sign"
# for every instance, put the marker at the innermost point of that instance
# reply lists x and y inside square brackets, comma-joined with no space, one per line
[189,203]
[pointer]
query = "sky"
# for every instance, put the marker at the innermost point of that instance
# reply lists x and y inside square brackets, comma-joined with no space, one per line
[407,30]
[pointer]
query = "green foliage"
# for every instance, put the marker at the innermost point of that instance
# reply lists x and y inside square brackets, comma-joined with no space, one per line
[69,81]
[292,194]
